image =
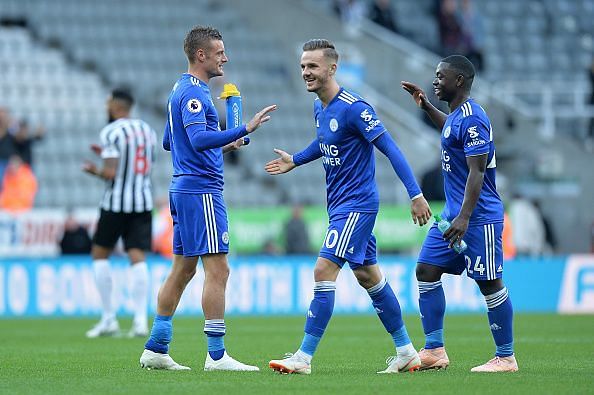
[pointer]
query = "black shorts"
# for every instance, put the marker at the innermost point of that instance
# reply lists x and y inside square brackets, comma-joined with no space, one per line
[134,228]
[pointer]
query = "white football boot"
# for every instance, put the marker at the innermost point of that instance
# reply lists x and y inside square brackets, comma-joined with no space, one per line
[105,327]
[292,363]
[153,360]
[402,363]
[227,363]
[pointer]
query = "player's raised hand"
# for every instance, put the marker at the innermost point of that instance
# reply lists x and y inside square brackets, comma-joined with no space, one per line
[420,211]
[96,148]
[280,165]
[417,93]
[259,118]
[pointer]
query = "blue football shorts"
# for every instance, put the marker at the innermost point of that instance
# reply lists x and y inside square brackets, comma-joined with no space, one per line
[350,238]
[482,260]
[199,223]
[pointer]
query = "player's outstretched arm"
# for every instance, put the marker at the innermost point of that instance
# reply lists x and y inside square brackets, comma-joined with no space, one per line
[260,118]
[283,164]
[437,117]
[203,139]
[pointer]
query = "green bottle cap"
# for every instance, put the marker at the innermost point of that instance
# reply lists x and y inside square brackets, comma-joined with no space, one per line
[437,217]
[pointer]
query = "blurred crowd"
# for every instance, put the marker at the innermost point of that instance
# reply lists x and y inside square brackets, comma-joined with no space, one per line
[459,22]
[18,184]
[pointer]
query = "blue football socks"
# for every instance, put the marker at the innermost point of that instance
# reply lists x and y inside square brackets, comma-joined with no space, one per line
[318,315]
[388,310]
[501,316]
[215,333]
[432,305]
[161,334]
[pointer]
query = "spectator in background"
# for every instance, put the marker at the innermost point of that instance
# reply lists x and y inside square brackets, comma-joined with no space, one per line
[351,13]
[24,141]
[550,238]
[296,234]
[76,239]
[7,145]
[473,32]
[382,13]
[450,32]
[163,229]
[270,247]
[19,186]
[509,247]
[529,229]
[432,184]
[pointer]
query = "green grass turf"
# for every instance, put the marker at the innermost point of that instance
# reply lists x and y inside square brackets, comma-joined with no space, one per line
[555,355]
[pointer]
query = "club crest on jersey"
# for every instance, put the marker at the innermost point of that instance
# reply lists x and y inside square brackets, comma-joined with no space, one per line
[194,106]
[225,237]
[333,125]
[446,132]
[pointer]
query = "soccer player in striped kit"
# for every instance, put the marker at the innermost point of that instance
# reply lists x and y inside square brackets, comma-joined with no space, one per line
[197,144]
[475,211]
[127,148]
[347,132]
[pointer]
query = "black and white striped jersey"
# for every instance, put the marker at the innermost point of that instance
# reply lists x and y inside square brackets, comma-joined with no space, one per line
[132,142]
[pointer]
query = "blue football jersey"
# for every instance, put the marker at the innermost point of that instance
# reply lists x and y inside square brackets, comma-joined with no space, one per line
[193,172]
[467,132]
[345,131]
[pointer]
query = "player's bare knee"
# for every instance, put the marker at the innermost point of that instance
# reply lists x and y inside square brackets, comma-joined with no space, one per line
[217,273]
[362,279]
[489,287]
[427,273]
[136,255]
[366,279]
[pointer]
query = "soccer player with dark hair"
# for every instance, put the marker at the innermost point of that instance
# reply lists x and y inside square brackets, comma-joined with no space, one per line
[475,211]
[347,131]
[197,144]
[127,148]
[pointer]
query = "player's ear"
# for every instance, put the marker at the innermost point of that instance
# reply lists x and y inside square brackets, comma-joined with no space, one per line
[460,81]
[333,68]
[200,55]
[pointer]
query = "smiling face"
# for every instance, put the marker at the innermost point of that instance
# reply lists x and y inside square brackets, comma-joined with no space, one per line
[316,69]
[213,58]
[446,83]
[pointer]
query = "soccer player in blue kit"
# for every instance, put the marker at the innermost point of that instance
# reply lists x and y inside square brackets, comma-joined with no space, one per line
[475,211]
[193,136]
[347,131]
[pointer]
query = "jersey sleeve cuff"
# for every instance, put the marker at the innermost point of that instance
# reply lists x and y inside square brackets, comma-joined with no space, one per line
[418,195]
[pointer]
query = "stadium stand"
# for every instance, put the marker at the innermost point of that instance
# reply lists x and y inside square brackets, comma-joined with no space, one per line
[80,49]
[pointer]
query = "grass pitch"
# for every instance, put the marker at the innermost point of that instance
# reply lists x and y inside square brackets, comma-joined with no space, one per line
[555,354]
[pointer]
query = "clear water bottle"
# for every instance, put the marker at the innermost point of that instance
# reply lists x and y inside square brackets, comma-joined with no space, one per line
[443,225]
